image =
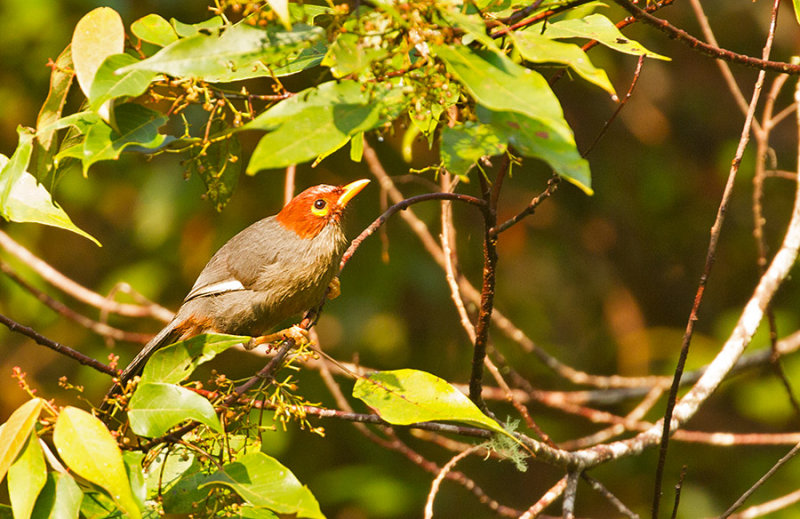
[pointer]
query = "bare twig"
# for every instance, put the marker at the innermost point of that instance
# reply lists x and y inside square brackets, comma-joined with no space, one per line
[739,502]
[709,262]
[768,507]
[727,75]
[570,494]
[55,346]
[288,184]
[441,475]
[487,286]
[57,306]
[546,500]
[614,500]
[619,108]
[704,48]
[678,487]
[79,292]
[400,206]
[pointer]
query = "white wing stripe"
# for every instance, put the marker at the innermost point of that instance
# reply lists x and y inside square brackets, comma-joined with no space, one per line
[230,285]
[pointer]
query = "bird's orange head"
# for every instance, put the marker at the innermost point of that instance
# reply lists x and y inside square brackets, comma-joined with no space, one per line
[310,211]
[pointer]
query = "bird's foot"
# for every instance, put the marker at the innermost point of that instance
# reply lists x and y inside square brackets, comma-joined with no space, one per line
[335,288]
[297,333]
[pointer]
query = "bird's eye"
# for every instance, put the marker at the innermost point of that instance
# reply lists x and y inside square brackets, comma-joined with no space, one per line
[320,207]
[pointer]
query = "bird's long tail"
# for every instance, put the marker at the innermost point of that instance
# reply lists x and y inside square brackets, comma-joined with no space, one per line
[166,336]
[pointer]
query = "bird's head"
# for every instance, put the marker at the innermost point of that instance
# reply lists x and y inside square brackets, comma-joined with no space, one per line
[310,211]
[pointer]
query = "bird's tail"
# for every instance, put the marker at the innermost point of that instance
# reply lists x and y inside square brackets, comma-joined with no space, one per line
[165,337]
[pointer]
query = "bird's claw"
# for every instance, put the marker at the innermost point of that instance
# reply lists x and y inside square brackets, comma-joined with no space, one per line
[297,333]
[334,288]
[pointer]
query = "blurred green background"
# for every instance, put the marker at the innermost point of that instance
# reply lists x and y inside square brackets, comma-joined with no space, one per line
[605,283]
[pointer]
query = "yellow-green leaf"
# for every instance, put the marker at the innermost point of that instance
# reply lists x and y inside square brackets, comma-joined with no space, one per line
[14,433]
[98,35]
[281,8]
[408,396]
[26,477]
[87,447]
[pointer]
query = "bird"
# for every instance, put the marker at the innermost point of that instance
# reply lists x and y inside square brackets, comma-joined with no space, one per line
[274,269]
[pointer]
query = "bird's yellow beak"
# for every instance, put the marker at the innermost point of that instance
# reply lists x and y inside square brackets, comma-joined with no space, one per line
[351,190]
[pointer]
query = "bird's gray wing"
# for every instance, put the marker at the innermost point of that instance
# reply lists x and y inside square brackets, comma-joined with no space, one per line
[236,265]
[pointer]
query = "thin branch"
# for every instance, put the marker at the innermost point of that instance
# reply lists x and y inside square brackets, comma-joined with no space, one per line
[704,48]
[614,500]
[768,507]
[636,73]
[442,474]
[570,494]
[552,185]
[678,487]
[727,75]
[487,287]
[709,262]
[288,184]
[759,220]
[59,307]
[739,502]
[546,500]
[55,346]
[400,206]
[79,292]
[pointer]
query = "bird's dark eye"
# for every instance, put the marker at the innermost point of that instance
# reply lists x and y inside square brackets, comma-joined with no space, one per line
[320,204]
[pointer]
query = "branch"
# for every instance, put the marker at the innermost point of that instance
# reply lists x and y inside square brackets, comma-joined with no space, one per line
[57,306]
[704,48]
[400,206]
[79,292]
[716,229]
[60,348]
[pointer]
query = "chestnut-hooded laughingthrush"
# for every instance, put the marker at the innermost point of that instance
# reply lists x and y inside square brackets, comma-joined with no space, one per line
[274,269]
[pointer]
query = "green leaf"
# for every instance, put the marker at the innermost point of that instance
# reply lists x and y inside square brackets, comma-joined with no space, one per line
[532,138]
[175,362]
[108,84]
[60,83]
[26,477]
[595,27]
[314,123]
[408,396]
[15,432]
[219,166]
[133,467]
[59,499]
[348,55]
[533,121]
[23,198]
[796,4]
[155,408]
[500,84]
[97,35]
[252,512]
[472,24]
[303,60]
[138,126]
[154,29]
[281,8]
[240,52]
[463,145]
[262,481]
[169,468]
[186,30]
[540,49]
[87,448]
